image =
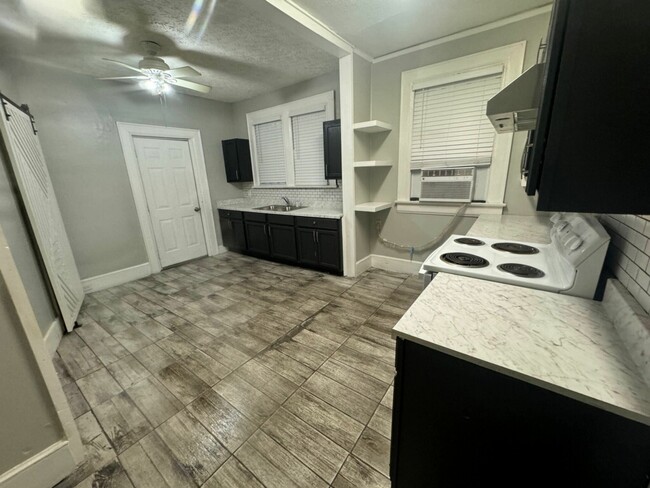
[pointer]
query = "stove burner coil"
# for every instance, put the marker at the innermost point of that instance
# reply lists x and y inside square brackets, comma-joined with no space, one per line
[469,241]
[463,259]
[521,270]
[515,248]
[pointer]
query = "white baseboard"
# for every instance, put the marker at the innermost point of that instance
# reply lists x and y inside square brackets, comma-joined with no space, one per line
[398,265]
[53,336]
[363,264]
[46,468]
[115,278]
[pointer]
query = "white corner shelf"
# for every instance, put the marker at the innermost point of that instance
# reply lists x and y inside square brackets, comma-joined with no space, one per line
[372,126]
[373,164]
[372,207]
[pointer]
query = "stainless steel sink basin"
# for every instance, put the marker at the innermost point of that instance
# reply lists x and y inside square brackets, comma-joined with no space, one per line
[279,208]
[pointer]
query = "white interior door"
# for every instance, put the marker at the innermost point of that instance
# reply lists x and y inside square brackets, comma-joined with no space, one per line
[170,189]
[43,211]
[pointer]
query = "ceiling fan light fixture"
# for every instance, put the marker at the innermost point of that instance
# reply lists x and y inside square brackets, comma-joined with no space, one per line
[156,86]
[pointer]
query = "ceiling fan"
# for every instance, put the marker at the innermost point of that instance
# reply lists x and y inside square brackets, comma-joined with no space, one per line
[156,75]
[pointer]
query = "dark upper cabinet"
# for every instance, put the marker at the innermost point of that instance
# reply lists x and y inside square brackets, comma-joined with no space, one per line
[589,150]
[237,160]
[332,148]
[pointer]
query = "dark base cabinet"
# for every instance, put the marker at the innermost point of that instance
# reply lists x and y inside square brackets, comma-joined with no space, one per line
[456,424]
[310,242]
[233,233]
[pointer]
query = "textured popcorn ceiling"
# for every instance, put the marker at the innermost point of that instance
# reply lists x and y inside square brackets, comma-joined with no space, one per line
[240,55]
[380,27]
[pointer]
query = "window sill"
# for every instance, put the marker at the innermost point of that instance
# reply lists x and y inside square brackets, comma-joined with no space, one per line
[472,210]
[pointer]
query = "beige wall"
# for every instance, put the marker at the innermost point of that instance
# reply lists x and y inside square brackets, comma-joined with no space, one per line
[386,90]
[76,116]
[315,86]
[17,234]
[29,421]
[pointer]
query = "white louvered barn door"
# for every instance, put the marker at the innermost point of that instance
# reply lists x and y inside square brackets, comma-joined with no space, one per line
[42,209]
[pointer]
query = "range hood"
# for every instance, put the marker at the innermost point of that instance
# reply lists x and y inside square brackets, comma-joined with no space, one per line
[515,107]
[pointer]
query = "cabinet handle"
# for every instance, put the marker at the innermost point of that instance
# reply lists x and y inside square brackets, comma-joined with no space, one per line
[267,230]
[316,232]
[313,235]
[236,174]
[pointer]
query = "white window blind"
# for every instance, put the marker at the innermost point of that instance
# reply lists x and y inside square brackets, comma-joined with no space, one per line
[450,127]
[308,154]
[269,146]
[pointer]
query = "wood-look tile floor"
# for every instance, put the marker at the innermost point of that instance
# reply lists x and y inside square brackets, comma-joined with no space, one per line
[236,372]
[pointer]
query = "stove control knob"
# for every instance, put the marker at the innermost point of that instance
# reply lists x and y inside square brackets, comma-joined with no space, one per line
[561,225]
[573,243]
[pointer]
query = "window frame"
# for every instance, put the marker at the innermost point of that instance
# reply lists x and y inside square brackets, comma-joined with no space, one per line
[284,112]
[511,58]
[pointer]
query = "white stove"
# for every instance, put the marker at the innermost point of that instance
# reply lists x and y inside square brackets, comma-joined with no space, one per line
[570,264]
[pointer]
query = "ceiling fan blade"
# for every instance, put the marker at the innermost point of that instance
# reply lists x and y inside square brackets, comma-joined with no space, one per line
[141,77]
[192,86]
[184,72]
[123,64]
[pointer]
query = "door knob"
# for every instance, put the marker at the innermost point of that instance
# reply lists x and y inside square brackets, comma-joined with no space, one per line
[197,209]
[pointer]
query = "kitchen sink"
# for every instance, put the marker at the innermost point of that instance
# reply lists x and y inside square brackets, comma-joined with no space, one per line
[279,208]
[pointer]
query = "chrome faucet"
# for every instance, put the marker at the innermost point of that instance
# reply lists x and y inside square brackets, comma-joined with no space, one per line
[286,200]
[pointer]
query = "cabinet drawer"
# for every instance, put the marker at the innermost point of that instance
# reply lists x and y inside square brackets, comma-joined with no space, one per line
[279,219]
[254,217]
[231,214]
[316,223]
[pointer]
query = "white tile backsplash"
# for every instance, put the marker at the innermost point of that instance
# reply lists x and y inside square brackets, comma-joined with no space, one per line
[629,253]
[303,196]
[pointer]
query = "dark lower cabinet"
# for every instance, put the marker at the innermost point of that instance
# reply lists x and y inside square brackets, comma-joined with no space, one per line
[306,241]
[257,238]
[233,233]
[307,247]
[457,424]
[283,242]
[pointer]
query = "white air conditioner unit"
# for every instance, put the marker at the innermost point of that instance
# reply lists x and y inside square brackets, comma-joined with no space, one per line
[447,184]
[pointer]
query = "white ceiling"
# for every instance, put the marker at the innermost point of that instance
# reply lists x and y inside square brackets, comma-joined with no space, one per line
[243,52]
[380,27]
[240,55]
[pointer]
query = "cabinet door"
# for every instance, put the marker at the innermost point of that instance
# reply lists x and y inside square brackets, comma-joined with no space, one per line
[239,235]
[245,170]
[230,160]
[332,148]
[283,242]
[257,239]
[307,248]
[328,243]
[227,235]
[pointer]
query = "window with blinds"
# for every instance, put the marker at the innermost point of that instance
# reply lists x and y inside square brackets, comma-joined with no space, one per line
[308,154]
[269,144]
[450,127]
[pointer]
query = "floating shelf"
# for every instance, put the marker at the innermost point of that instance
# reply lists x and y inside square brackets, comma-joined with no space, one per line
[372,164]
[372,207]
[372,126]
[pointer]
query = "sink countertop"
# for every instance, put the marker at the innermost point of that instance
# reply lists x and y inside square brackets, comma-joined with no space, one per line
[562,343]
[326,211]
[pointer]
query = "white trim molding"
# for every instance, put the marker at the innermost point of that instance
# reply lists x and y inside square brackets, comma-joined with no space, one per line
[115,278]
[473,209]
[388,263]
[46,468]
[511,57]
[127,132]
[53,336]
[545,9]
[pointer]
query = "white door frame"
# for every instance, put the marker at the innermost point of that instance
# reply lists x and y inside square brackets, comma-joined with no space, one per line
[127,132]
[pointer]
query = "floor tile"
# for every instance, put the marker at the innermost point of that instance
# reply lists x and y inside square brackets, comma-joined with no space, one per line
[77,402]
[358,381]
[153,358]
[357,474]
[267,381]
[98,387]
[206,368]
[183,384]
[316,451]
[104,345]
[128,371]
[77,357]
[154,400]
[122,422]
[233,474]
[282,364]
[381,421]
[132,339]
[140,469]
[246,398]
[374,449]
[152,329]
[227,424]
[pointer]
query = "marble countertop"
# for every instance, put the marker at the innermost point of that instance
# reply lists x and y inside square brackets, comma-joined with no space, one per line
[311,209]
[566,344]
[562,343]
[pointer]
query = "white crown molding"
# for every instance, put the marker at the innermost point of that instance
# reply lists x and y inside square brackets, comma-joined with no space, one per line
[466,33]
